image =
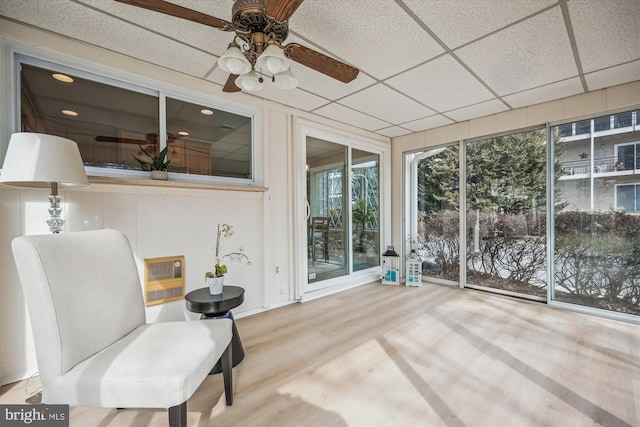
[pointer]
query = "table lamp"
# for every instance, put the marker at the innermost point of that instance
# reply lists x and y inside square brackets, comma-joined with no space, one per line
[38,160]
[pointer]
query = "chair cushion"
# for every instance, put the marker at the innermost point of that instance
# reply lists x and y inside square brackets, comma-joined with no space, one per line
[157,365]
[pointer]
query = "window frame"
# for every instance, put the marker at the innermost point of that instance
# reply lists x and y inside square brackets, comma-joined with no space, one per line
[635,186]
[636,153]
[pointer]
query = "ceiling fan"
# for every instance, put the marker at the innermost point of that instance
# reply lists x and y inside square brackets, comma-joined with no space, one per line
[261,26]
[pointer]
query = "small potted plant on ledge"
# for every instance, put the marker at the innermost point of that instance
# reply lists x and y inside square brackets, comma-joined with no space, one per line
[157,164]
[215,279]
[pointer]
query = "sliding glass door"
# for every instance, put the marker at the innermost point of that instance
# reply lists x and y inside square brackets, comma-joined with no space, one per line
[342,213]
[505,217]
[365,208]
[327,210]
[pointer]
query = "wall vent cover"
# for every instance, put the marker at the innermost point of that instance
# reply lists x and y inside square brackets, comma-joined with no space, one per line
[163,279]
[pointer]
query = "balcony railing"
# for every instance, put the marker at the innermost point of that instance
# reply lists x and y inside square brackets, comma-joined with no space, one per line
[601,124]
[600,165]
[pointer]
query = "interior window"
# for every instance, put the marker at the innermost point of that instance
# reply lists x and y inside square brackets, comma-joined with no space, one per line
[206,141]
[114,122]
[107,122]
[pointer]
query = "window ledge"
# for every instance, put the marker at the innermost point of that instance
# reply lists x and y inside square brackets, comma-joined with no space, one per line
[173,184]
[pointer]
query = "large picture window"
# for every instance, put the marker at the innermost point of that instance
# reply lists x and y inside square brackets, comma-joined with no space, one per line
[435,178]
[550,214]
[113,121]
[597,233]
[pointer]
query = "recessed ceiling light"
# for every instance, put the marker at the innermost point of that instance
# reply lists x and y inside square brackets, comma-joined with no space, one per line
[207,112]
[69,112]
[183,133]
[63,78]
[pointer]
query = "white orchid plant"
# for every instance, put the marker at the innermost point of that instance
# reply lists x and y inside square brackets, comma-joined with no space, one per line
[220,269]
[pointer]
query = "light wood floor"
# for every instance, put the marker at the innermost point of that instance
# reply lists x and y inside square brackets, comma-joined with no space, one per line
[431,356]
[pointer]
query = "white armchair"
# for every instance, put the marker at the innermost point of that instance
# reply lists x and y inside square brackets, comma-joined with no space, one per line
[93,345]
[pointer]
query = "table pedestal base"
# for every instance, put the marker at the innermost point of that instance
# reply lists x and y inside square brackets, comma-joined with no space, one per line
[236,343]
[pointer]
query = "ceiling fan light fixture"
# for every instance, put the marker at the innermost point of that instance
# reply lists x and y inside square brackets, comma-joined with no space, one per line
[273,60]
[249,82]
[285,80]
[233,61]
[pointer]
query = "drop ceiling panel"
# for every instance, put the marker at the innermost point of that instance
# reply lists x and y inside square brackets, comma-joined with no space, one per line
[218,76]
[545,93]
[442,84]
[483,109]
[606,35]
[323,85]
[459,22]
[428,123]
[518,49]
[203,37]
[613,76]
[385,103]
[377,36]
[347,115]
[296,98]
[393,131]
[86,24]
[532,53]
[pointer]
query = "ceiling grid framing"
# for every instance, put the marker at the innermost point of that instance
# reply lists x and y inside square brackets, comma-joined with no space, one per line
[473,58]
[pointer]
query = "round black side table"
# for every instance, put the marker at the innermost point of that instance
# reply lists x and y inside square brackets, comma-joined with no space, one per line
[219,306]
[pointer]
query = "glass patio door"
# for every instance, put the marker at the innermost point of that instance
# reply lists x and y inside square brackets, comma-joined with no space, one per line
[505,216]
[365,209]
[327,223]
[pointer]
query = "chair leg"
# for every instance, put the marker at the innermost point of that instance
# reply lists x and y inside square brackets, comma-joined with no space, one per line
[178,415]
[227,373]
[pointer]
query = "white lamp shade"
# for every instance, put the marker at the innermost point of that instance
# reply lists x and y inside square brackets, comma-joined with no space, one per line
[234,62]
[285,80]
[249,82]
[37,160]
[273,60]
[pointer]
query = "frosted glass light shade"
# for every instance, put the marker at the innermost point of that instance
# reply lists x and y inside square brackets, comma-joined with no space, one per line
[234,62]
[285,80]
[249,82]
[37,160]
[273,60]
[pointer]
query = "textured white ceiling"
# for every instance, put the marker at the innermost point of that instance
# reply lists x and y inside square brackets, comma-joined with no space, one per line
[423,63]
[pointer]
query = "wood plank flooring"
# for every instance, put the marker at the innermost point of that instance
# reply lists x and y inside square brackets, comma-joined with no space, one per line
[431,356]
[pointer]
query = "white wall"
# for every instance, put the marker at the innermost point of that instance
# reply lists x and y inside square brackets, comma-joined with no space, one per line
[158,221]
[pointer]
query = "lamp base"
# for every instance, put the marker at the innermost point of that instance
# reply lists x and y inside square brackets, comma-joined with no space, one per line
[55,222]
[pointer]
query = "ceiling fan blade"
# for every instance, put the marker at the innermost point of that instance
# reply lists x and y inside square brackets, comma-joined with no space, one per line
[281,10]
[230,85]
[320,62]
[167,8]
